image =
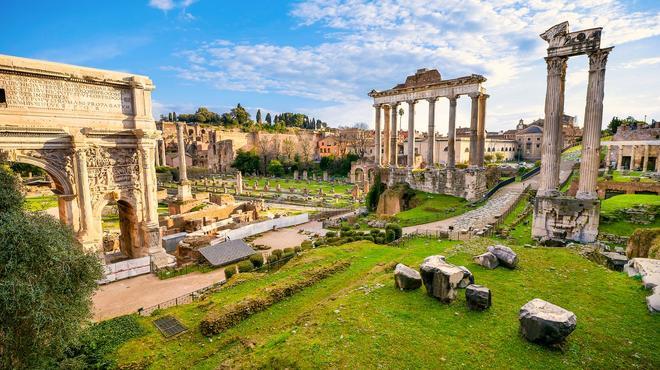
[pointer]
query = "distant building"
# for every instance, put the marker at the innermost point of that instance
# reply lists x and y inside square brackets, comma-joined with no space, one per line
[529,137]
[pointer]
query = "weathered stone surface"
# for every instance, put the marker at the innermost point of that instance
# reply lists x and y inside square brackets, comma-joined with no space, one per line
[477,297]
[440,278]
[545,323]
[552,242]
[644,243]
[468,278]
[614,261]
[487,260]
[406,278]
[653,302]
[505,255]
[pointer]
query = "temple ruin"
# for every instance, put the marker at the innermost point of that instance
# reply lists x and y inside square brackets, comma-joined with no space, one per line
[557,217]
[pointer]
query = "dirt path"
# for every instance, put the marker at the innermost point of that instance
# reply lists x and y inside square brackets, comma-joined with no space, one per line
[127,296]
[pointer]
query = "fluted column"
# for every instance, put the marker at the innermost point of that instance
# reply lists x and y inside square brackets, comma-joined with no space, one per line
[386,135]
[183,174]
[84,196]
[394,161]
[593,120]
[549,176]
[646,158]
[619,160]
[474,117]
[163,158]
[431,132]
[411,133]
[608,162]
[481,130]
[377,136]
[451,133]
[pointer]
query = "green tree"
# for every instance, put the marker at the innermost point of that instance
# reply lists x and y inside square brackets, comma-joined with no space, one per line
[258,117]
[268,119]
[46,283]
[374,193]
[241,115]
[246,162]
[276,168]
[614,125]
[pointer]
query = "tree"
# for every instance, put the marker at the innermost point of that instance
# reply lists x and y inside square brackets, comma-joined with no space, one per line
[241,115]
[268,119]
[488,157]
[258,117]
[246,162]
[374,193]
[46,283]
[614,125]
[499,156]
[276,168]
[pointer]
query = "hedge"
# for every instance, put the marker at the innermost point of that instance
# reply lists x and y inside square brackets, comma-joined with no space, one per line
[245,266]
[230,271]
[257,260]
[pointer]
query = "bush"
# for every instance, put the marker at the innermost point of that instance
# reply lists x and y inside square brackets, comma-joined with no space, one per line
[257,260]
[369,238]
[346,233]
[297,249]
[375,232]
[390,236]
[230,271]
[277,253]
[289,251]
[245,266]
[398,231]
[307,244]
[330,234]
[345,227]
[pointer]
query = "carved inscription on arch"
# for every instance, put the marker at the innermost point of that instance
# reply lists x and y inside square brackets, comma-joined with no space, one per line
[61,95]
[112,168]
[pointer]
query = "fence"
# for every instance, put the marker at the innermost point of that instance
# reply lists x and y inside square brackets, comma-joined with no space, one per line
[261,227]
[530,173]
[184,299]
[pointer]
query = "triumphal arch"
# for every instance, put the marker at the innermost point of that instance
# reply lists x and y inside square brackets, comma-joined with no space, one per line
[558,217]
[93,132]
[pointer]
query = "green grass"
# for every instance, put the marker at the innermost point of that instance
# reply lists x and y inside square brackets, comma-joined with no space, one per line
[357,318]
[40,203]
[430,208]
[610,206]
[110,222]
[619,177]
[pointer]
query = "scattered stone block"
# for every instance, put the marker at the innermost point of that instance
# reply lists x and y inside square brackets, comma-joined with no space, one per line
[487,260]
[545,323]
[478,297]
[552,242]
[468,278]
[440,278]
[505,255]
[406,278]
[653,302]
[614,261]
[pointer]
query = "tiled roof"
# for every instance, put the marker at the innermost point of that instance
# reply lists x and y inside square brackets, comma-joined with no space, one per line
[227,252]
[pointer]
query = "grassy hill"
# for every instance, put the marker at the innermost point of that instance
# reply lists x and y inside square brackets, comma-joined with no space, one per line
[429,207]
[356,318]
[618,226]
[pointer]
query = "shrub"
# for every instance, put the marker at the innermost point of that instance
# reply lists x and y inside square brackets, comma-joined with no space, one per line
[297,249]
[375,232]
[307,244]
[330,234]
[230,271]
[345,227]
[369,238]
[257,260]
[245,266]
[277,253]
[346,233]
[390,236]
[289,251]
[398,231]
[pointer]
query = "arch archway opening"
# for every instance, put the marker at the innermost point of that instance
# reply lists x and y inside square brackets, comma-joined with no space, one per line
[120,232]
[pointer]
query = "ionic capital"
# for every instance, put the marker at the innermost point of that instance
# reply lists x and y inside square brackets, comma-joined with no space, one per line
[556,65]
[598,59]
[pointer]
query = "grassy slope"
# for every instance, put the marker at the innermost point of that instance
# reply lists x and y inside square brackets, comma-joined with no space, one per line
[621,227]
[40,203]
[335,324]
[432,207]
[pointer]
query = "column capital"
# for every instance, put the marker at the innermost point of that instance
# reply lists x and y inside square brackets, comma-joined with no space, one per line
[484,96]
[556,65]
[394,105]
[432,100]
[598,59]
[412,101]
[377,105]
[474,95]
[453,97]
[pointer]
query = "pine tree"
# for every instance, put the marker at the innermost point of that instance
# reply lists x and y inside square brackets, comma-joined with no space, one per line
[268,118]
[258,116]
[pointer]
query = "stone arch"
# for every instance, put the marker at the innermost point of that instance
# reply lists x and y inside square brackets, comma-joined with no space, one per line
[59,176]
[358,174]
[129,221]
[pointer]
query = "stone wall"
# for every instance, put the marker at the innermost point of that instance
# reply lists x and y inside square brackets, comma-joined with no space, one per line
[566,218]
[465,183]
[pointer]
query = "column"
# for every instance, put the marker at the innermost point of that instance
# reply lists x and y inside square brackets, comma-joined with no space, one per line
[619,160]
[593,120]
[632,158]
[431,133]
[163,157]
[183,174]
[386,135]
[549,176]
[474,116]
[394,131]
[147,148]
[451,133]
[481,129]
[84,196]
[608,162]
[646,158]
[377,136]
[411,133]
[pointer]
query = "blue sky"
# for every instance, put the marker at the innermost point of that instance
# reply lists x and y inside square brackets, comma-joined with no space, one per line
[322,57]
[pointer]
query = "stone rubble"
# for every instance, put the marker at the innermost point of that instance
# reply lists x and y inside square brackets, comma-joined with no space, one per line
[440,278]
[505,256]
[649,270]
[545,323]
[406,278]
[468,278]
[487,260]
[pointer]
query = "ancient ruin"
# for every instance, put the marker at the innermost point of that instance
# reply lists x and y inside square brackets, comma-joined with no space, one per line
[558,217]
[92,131]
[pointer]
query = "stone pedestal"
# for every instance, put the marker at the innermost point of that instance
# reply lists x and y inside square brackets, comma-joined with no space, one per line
[566,218]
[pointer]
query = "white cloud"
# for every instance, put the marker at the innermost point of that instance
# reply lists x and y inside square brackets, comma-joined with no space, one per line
[163,5]
[642,62]
[375,44]
[167,5]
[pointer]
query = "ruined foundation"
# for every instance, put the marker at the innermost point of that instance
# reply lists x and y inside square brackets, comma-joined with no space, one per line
[467,183]
[566,218]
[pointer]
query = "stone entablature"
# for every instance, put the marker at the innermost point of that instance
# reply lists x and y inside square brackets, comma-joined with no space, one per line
[467,183]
